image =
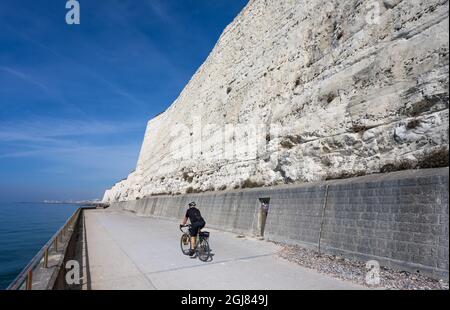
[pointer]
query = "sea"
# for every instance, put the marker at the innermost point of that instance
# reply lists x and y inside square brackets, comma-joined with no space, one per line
[24,229]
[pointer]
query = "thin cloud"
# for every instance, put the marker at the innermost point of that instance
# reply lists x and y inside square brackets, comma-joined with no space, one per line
[48,129]
[25,77]
[160,10]
[111,85]
[81,155]
[30,79]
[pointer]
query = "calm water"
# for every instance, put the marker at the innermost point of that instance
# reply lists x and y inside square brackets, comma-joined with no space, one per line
[24,229]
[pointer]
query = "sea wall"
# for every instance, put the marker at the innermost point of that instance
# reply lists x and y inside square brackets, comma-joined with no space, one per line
[400,218]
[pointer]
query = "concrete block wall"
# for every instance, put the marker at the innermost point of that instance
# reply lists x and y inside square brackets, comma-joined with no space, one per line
[296,214]
[400,219]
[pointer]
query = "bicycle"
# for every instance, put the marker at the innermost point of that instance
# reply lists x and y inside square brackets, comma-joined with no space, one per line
[202,249]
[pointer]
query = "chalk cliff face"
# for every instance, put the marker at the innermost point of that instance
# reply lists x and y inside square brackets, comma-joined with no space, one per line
[300,91]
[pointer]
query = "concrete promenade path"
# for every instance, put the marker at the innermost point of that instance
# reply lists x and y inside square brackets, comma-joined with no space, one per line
[125,251]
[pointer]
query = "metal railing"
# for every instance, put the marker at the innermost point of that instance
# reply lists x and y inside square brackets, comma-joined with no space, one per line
[26,276]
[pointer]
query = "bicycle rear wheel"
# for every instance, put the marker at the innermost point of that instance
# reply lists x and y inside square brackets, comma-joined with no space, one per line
[185,244]
[204,252]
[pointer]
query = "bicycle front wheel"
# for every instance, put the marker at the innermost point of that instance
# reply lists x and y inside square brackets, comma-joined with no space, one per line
[185,244]
[204,252]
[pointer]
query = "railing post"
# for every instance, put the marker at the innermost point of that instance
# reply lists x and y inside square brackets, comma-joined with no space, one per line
[29,284]
[46,258]
[56,244]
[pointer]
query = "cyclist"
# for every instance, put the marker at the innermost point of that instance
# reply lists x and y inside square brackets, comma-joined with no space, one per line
[197,223]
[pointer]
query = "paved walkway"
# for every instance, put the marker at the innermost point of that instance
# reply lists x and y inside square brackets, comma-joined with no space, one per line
[130,252]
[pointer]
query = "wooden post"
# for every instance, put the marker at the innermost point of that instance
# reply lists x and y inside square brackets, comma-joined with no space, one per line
[56,243]
[29,284]
[46,258]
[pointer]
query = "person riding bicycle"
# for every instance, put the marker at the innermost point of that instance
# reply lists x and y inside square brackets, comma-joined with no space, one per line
[197,223]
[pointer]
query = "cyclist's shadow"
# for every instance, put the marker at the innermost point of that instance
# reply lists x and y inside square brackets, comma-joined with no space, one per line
[210,258]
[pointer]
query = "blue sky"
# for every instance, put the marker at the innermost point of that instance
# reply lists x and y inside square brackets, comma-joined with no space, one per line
[74,100]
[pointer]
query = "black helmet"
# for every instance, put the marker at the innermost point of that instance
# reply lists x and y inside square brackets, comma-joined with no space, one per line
[192,204]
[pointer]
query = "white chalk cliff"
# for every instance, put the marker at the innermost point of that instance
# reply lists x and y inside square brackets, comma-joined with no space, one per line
[301,91]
